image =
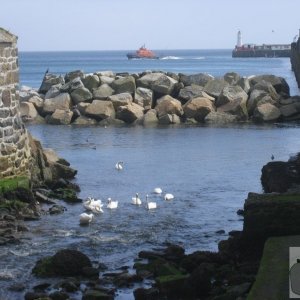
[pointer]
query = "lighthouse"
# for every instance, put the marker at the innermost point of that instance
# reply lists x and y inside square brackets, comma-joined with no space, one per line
[239,39]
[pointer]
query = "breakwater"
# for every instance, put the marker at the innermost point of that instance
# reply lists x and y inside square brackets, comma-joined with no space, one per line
[156,97]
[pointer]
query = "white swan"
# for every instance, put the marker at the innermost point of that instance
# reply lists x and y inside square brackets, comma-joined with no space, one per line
[93,205]
[119,165]
[87,203]
[150,205]
[136,200]
[111,204]
[86,218]
[97,209]
[157,190]
[169,196]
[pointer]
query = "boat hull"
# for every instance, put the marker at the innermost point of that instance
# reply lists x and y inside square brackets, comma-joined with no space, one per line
[261,53]
[135,56]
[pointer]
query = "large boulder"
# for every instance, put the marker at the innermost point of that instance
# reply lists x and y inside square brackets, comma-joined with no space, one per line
[268,88]
[255,97]
[102,92]
[26,93]
[193,91]
[38,103]
[28,111]
[53,91]
[143,97]
[279,176]
[91,81]
[65,262]
[214,87]
[237,107]
[198,108]
[266,113]
[231,93]
[62,101]
[60,117]
[122,99]
[198,79]
[81,94]
[100,109]
[130,113]
[106,79]
[82,107]
[106,73]
[158,82]
[278,83]
[244,83]
[150,117]
[232,78]
[124,85]
[168,105]
[292,108]
[72,85]
[50,80]
[220,118]
[74,74]
[167,119]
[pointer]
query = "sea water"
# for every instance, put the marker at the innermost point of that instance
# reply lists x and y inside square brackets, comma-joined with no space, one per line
[210,170]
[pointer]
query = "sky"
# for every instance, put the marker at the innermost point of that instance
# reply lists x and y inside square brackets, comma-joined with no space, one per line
[44,25]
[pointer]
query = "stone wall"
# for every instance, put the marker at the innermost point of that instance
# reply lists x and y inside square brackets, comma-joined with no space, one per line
[14,143]
[295,60]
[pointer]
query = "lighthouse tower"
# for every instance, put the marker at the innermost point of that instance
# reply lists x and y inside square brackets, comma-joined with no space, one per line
[239,39]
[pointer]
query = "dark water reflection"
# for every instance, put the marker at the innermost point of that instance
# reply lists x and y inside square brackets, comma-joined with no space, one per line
[210,171]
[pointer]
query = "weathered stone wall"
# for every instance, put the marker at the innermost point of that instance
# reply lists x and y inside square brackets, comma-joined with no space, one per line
[295,60]
[14,147]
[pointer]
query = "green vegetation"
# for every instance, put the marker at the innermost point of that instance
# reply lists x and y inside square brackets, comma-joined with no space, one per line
[9,184]
[172,278]
[44,267]
[68,195]
[12,205]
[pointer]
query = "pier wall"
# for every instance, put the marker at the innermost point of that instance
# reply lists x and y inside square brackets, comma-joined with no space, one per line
[295,60]
[14,142]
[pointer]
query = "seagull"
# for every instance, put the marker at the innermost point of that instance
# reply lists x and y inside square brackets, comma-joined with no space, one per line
[150,205]
[136,200]
[157,190]
[272,157]
[85,218]
[169,196]
[119,165]
[111,204]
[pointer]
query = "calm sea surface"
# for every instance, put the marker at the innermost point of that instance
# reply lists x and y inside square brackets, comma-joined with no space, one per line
[210,170]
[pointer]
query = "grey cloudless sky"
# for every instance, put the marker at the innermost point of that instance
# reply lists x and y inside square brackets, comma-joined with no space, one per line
[160,24]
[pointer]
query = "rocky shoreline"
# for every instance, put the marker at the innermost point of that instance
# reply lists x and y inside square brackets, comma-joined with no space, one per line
[156,97]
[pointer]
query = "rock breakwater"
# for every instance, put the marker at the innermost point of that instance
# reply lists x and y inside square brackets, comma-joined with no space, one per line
[156,97]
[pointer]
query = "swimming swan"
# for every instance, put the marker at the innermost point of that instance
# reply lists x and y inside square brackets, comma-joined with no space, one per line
[86,218]
[157,190]
[111,204]
[169,196]
[119,165]
[150,205]
[93,205]
[136,200]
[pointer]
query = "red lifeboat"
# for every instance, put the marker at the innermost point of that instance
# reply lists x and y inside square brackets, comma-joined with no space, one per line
[143,52]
